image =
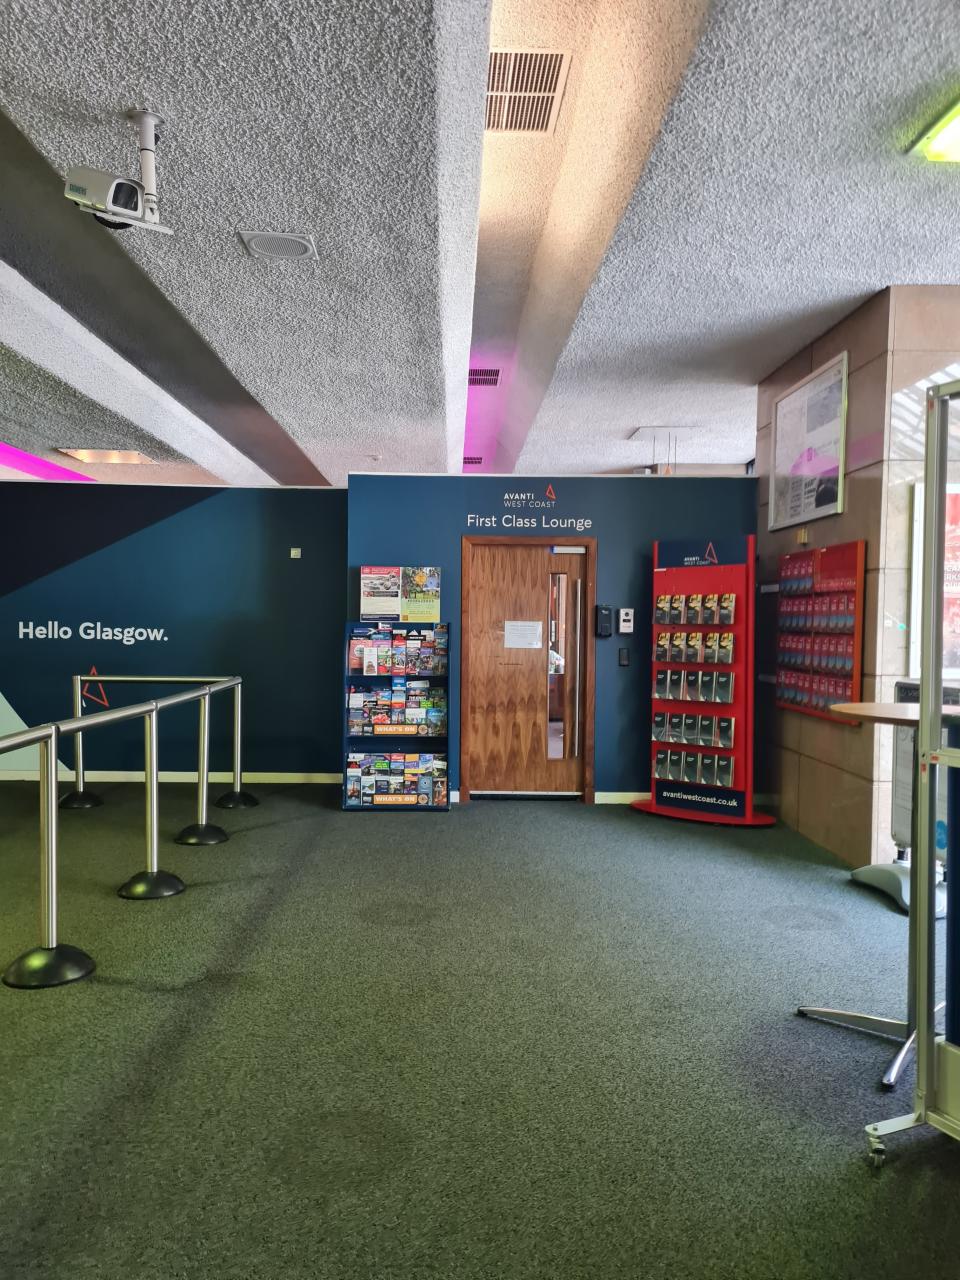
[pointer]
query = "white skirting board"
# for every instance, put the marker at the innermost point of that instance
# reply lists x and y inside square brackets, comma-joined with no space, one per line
[133,775]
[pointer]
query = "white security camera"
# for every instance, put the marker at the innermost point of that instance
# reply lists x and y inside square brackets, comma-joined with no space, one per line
[103,194]
[120,202]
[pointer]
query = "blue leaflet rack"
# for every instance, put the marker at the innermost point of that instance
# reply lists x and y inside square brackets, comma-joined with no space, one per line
[394,764]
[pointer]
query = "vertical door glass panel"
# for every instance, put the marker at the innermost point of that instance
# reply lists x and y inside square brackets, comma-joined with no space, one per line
[558,731]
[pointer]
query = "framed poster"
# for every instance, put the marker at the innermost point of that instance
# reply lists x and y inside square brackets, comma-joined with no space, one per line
[807,447]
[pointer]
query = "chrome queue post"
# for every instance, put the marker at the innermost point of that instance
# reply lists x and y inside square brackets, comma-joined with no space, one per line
[79,797]
[237,798]
[53,963]
[203,832]
[152,882]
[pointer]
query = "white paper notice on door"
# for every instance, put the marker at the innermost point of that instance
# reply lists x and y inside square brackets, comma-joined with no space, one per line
[523,635]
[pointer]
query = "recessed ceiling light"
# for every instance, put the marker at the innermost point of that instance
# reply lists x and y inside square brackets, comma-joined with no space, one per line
[100,457]
[941,142]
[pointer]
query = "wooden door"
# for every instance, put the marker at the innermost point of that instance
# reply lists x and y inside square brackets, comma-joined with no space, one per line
[526,717]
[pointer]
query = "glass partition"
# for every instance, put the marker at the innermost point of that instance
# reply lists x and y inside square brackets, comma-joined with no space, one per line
[558,733]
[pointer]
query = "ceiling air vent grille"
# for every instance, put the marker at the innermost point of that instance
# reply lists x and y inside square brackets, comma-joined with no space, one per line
[278,246]
[472,461]
[524,89]
[483,378]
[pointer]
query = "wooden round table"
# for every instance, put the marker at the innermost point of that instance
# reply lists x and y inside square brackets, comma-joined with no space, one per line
[905,714]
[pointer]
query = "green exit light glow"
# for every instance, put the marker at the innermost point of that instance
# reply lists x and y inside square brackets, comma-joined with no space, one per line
[941,142]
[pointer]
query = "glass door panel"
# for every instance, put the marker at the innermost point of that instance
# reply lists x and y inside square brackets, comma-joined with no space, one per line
[564,614]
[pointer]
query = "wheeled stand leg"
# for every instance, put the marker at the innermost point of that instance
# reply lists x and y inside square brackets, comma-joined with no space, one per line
[877,1132]
[892,1027]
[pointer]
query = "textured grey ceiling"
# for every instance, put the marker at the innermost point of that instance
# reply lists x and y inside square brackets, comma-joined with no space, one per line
[42,414]
[83,268]
[330,119]
[39,411]
[549,206]
[776,199]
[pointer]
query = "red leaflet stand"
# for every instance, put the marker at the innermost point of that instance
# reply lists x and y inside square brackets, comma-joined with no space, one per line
[701,750]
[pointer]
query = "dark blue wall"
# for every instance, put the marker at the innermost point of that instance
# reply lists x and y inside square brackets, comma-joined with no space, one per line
[211,568]
[420,520]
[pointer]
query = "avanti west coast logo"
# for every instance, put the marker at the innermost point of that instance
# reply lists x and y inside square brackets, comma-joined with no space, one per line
[707,556]
[514,498]
[52,629]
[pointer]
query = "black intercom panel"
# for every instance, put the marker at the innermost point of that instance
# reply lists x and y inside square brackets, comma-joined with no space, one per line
[604,620]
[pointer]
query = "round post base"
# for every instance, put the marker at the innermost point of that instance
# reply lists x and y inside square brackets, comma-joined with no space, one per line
[197,834]
[48,967]
[81,800]
[151,884]
[237,800]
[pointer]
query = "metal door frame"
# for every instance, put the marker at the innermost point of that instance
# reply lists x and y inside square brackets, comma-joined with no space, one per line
[938,1063]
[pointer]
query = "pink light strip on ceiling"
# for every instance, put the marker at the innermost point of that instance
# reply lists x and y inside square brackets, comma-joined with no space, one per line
[30,465]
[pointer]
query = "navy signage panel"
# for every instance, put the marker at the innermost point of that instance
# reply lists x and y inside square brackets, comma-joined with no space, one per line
[422,519]
[132,580]
[688,553]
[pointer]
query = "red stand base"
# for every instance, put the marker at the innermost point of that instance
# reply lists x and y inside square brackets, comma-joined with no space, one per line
[715,819]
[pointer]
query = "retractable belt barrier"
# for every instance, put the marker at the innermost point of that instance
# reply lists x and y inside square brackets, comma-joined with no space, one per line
[81,798]
[53,962]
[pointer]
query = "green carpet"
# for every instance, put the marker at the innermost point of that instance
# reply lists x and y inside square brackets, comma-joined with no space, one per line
[520,1040]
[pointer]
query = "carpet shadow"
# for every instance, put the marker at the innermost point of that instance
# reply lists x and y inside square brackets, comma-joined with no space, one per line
[214,981]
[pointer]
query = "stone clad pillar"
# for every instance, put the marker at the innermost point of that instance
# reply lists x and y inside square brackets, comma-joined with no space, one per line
[832,782]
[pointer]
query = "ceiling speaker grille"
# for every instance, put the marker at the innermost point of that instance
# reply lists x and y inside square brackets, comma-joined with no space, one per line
[278,246]
[472,461]
[524,89]
[483,378]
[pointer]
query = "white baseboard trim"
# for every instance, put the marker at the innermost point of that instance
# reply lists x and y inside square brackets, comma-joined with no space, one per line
[171,775]
[168,775]
[619,797]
